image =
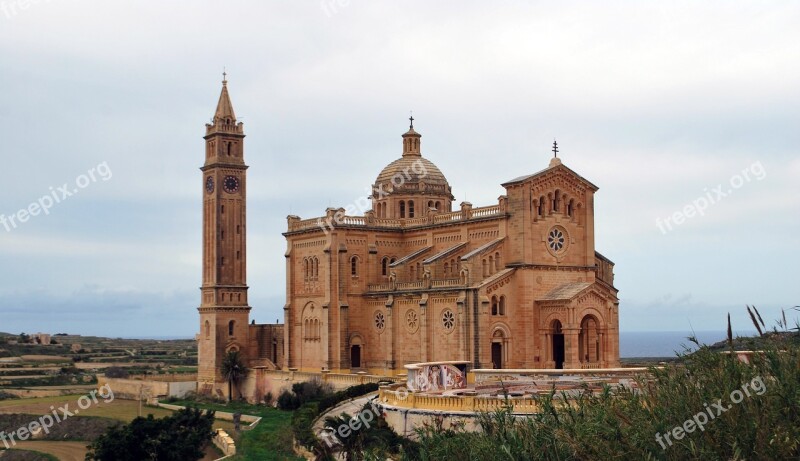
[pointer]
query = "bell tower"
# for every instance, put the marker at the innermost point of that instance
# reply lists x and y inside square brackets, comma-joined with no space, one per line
[224,309]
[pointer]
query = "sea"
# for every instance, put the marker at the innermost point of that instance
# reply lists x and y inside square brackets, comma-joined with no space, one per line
[665,343]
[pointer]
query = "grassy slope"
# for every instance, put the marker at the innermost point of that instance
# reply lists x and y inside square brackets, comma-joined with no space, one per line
[270,440]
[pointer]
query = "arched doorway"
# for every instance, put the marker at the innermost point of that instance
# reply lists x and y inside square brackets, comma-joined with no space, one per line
[497,349]
[589,341]
[558,344]
[355,356]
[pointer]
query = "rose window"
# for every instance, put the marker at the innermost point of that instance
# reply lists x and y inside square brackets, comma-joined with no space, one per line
[380,321]
[556,240]
[448,319]
[412,321]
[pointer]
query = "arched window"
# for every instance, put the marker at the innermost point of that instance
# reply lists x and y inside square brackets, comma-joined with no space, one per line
[412,270]
[570,207]
[305,269]
[497,265]
[430,204]
[391,261]
[494,305]
[438,206]
[492,267]
[208,330]
[231,325]
[402,209]
[502,305]
[314,268]
[229,149]
[485,268]
[410,208]
[419,271]
[385,266]
[446,269]
[354,266]
[556,200]
[541,205]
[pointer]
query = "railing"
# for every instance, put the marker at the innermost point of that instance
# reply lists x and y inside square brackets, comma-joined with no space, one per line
[464,403]
[448,217]
[446,283]
[486,211]
[379,286]
[353,221]
[308,224]
[410,285]
[590,366]
[323,222]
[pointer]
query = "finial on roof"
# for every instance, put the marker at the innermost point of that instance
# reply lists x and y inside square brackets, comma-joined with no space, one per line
[224,76]
[411,119]
[555,148]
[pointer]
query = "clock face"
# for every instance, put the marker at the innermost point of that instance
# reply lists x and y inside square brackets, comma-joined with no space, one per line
[231,184]
[210,185]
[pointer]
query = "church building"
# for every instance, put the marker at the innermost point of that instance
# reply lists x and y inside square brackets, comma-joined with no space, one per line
[417,278]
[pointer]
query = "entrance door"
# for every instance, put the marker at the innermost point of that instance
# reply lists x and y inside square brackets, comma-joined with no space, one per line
[558,350]
[497,355]
[355,357]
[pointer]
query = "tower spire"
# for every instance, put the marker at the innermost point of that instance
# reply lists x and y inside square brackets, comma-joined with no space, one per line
[224,106]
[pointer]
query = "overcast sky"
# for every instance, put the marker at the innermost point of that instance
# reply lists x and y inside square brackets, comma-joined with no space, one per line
[660,104]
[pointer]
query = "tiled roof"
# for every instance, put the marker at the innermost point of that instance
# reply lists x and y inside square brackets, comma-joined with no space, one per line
[566,291]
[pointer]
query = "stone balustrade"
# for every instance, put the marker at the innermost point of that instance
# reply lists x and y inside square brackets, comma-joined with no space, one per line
[338,219]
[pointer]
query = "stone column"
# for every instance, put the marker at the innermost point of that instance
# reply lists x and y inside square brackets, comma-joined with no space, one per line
[423,329]
[571,359]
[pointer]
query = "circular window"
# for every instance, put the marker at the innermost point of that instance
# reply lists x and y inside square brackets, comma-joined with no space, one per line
[557,240]
[448,319]
[412,321]
[380,321]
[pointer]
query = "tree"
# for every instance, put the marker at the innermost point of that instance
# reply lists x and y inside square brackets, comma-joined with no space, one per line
[233,370]
[180,437]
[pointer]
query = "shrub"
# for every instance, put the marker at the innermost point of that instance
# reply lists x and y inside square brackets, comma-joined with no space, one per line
[7,396]
[624,423]
[116,372]
[288,401]
[179,437]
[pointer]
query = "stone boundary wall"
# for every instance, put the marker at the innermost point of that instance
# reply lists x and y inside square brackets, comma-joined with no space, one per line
[135,389]
[224,442]
[261,381]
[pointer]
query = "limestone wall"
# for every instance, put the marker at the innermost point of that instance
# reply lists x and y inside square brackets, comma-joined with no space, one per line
[134,389]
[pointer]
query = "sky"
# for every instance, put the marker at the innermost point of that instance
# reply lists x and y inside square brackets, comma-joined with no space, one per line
[684,114]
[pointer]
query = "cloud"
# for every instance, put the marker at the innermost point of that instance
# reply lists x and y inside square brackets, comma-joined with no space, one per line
[653,102]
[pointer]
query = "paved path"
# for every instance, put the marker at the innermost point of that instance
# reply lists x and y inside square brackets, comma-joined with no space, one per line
[351,407]
[64,451]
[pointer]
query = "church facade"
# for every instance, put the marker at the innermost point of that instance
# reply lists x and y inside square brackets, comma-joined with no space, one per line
[417,278]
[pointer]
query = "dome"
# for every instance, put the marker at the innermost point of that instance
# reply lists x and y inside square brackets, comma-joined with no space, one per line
[412,173]
[411,170]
